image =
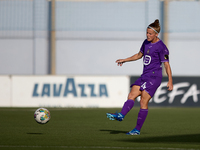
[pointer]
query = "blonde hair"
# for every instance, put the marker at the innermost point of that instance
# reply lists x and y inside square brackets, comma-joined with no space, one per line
[155,26]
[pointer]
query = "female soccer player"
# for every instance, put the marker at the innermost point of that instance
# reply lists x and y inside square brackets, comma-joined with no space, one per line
[154,53]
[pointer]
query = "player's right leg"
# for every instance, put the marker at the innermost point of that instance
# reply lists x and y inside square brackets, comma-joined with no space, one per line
[134,93]
[115,116]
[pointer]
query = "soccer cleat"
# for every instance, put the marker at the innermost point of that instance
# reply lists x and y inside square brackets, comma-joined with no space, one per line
[116,116]
[134,132]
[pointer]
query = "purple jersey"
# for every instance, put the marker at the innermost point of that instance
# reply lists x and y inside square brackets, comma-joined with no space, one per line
[154,54]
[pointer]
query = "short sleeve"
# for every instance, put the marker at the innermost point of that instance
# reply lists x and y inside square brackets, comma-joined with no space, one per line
[164,54]
[142,47]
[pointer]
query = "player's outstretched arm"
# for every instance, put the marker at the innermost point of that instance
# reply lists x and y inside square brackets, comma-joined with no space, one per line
[169,73]
[132,58]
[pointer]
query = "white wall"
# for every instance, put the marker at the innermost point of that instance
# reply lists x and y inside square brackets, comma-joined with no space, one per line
[184,53]
[97,57]
[16,56]
[63,91]
[24,56]
[94,57]
[42,56]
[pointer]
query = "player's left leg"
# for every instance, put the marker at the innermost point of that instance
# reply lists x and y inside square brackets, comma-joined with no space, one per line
[145,97]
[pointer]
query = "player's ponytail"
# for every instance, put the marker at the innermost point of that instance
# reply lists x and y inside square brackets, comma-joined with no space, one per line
[155,26]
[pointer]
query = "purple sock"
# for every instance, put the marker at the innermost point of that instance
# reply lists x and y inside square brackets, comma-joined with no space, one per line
[127,106]
[141,118]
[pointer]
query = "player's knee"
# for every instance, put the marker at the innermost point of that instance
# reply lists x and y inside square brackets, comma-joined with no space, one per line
[143,104]
[131,96]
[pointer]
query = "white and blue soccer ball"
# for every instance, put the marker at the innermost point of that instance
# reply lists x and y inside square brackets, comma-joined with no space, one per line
[42,115]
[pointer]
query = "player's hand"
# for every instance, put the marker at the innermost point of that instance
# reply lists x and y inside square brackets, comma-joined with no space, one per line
[120,62]
[170,86]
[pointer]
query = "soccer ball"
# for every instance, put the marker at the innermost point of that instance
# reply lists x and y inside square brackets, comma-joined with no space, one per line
[42,115]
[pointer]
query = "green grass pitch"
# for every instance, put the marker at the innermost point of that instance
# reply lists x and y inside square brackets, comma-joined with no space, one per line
[89,129]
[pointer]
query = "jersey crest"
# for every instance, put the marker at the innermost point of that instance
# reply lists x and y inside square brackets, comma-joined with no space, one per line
[147,60]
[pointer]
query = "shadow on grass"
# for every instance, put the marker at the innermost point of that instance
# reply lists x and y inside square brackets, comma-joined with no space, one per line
[115,131]
[34,133]
[189,138]
[185,138]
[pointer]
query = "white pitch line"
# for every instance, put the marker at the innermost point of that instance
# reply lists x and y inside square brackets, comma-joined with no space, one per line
[94,147]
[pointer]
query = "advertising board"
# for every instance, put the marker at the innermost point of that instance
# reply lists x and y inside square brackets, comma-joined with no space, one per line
[91,91]
[5,91]
[65,91]
[186,92]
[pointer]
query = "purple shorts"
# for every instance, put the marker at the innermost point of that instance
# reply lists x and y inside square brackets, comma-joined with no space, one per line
[149,84]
